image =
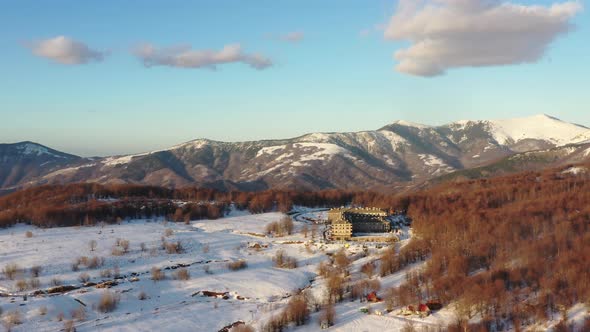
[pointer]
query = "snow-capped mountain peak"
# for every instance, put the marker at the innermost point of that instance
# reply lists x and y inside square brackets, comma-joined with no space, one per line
[539,127]
[411,124]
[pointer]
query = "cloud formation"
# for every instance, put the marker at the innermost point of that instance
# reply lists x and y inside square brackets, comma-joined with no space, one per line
[447,34]
[64,50]
[185,57]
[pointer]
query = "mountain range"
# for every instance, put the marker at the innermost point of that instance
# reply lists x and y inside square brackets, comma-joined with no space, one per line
[396,157]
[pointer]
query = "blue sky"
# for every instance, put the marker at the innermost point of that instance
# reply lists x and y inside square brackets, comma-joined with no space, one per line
[340,76]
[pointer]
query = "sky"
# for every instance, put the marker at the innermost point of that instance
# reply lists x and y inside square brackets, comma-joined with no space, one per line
[106,77]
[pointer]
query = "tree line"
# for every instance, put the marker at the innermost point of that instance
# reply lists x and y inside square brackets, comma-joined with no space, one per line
[89,203]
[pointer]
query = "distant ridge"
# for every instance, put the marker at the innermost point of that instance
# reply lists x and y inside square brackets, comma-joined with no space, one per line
[396,157]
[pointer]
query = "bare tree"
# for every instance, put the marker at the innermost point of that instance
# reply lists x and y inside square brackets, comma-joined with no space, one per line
[328,315]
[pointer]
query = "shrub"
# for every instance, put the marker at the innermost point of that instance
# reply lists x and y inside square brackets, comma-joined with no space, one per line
[84,277]
[335,286]
[79,314]
[43,311]
[206,248]
[389,262]
[10,271]
[272,228]
[55,282]
[409,327]
[108,302]
[283,261]
[174,248]
[106,273]
[69,326]
[237,265]
[82,260]
[286,225]
[75,266]
[297,310]
[390,299]
[124,245]
[142,296]
[29,234]
[275,324]
[34,283]
[368,269]
[154,252]
[182,274]
[36,271]
[13,318]
[280,228]
[95,262]
[157,274]
[328,315]
[243,328]
[168,232]
[117,251]
[362,288]
[142,246]
[324,269]
[21,285]
[341,260]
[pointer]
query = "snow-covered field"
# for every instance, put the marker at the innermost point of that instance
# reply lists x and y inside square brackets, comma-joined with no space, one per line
[254,294]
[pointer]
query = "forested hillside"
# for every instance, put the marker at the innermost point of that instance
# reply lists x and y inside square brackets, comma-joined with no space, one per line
[88,204]
[513,250]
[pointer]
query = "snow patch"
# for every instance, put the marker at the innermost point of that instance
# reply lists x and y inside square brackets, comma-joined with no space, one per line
[270,150]
[35,149]
[431,160]
[67,170]
[395,139]
[437,165]
[575,170]
[322,151]
[113,161]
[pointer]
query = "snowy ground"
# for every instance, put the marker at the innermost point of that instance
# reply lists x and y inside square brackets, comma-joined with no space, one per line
[255,293]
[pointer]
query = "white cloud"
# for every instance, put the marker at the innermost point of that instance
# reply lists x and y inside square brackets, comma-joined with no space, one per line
[185,57]
[65,50]
[447,34]
[293,37]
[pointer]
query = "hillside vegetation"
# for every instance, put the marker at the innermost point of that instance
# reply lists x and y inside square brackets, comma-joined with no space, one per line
[513,250]
[88,204]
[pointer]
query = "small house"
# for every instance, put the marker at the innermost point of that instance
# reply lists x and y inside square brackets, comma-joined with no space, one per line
[372,297]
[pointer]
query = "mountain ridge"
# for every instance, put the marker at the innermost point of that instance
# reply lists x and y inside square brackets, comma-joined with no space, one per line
[397,156]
